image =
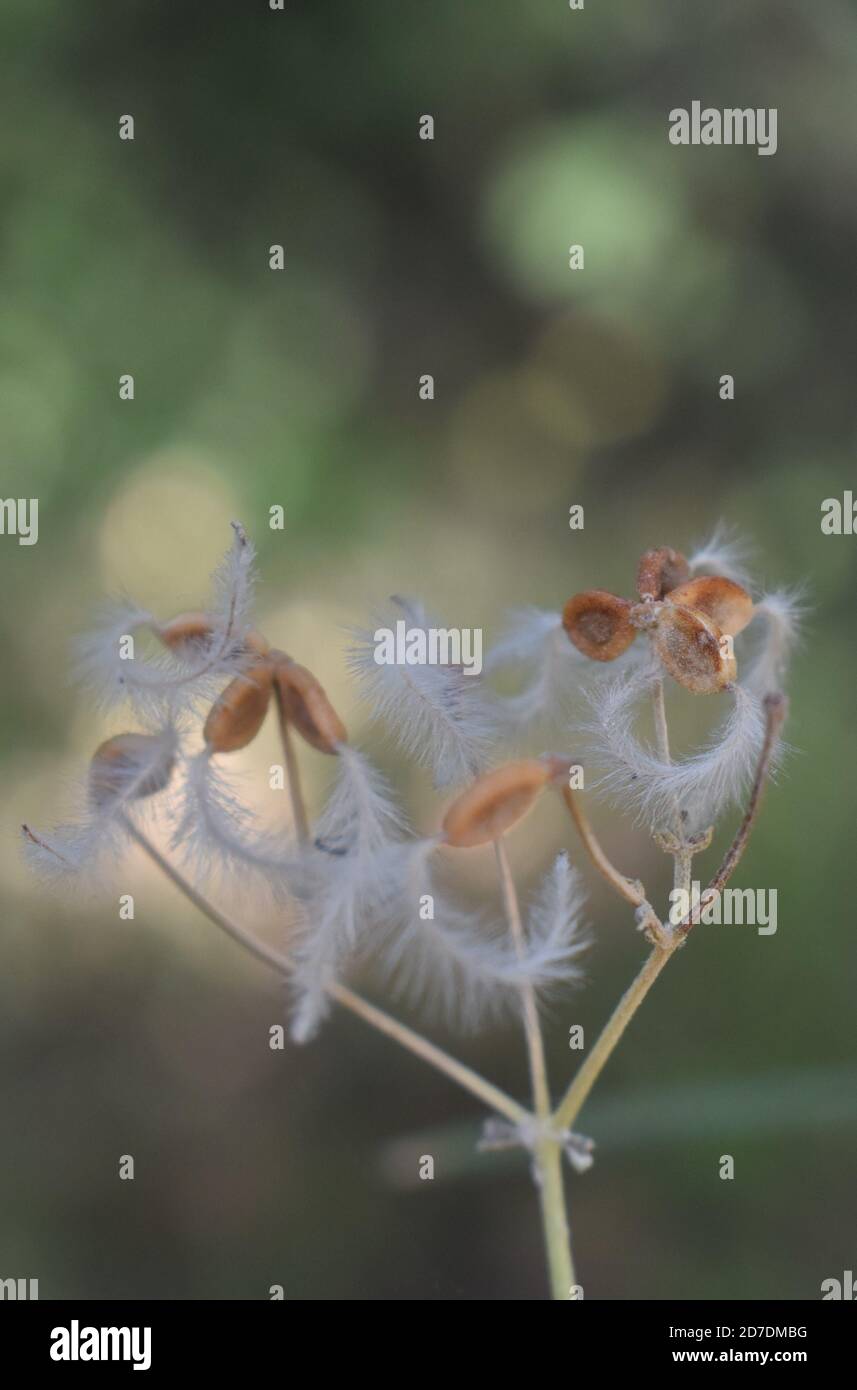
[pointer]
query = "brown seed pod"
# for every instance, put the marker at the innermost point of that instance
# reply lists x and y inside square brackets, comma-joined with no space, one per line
[197,627]
[661,571]
[187,627]
[120,761]
[721,600]
[693,650]
[239,711]
[598,624]
[305,705]
[495,802]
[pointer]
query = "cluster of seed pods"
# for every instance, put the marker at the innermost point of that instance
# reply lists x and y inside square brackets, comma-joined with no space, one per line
[691,622]
[234,719]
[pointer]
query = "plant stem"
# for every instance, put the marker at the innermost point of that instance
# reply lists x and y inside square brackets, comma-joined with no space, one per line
[547,1153]
[293,773]
[776,710]
[555,1219]
[627,888]
[491,1095]
[572,1102]
[532,1027]
[632,890]
[574,1098]
[259,949]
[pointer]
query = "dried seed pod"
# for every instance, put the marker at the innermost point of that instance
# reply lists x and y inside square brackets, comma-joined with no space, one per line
[187,627]
[239,711]
[693,650]
[131,765]
[598,624]
[495,802]
[305,705]
[660,571]
[197,627]
[721,600]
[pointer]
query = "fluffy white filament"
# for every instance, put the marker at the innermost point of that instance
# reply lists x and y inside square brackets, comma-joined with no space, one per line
[439,716]
[700,785]
[462,965]
[779,614]
[170,682]
[341,884]
[723,553]
[215,830]
[89,844]
[536,643]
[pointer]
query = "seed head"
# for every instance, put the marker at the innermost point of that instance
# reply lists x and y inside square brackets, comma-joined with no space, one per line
[305,705]
[495,802]
[661,571]
[131,766]
[239,711]
[598,624]
[722,600]
[197,628]
[690,647]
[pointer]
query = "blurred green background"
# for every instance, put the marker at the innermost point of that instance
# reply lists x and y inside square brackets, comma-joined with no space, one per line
[300,388]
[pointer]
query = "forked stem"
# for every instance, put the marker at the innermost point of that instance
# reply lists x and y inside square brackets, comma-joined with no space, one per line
[577,1093]
[572,1102]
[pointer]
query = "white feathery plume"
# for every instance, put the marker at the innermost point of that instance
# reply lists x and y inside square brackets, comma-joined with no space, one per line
[171,681]
[439,716]
[556,671]
[90,843]
[232,590]
[553,921]
[536,641]
[342,886]
[215,830]
[781,613]
[462,965]
[724,553]
[700,785]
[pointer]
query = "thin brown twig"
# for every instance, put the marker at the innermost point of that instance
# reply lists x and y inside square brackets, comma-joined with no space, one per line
[470,1080]
[631,889]
[776,710]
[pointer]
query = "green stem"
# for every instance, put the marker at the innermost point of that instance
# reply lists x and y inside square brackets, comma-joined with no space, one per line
[572,1102]
[547,1153]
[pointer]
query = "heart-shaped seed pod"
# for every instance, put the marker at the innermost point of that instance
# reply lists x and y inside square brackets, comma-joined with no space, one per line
[721,600]
[598,624]
[494,803]
[130,766]
[239,711]
[197,628]
[661,571]
[693,650]
[305,705]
